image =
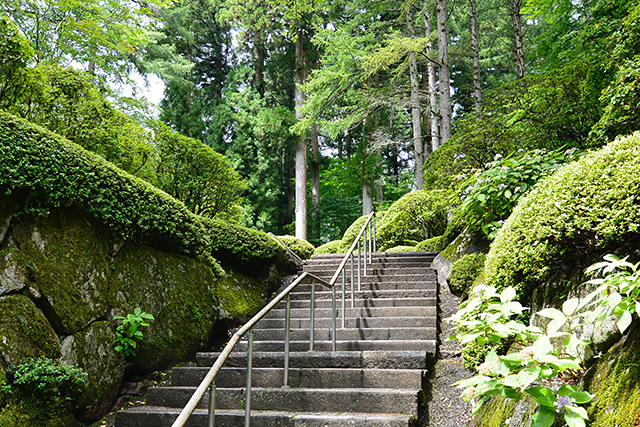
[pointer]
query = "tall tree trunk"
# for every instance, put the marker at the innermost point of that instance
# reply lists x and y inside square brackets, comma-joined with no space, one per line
[518,36]
[475,47]
[301,146]
[258,58]
[416,114]
[367,198]
[431,87]
[315,182]
[444,73]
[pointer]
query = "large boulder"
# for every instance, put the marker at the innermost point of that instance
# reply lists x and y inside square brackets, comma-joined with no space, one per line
[24,331]
[68,254]
[178,291]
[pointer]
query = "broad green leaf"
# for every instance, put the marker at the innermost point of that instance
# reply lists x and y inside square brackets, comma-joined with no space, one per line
[544,396]
[614,299]
[581,397]
[551,313]
[578,410]
[507,294]
[570,306]
[473,381]
[573,419]
[544,417]
[624,321]
[542,346]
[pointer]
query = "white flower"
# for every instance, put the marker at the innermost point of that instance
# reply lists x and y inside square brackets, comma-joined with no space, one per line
[487,368]
[497,157]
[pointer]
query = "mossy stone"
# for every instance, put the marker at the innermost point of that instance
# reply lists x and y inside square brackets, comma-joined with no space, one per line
[14,272]
[22,414]
[92,350]
[495,413]
[24,331]
[68,254]
[240,296]
[9,206]
[178,291]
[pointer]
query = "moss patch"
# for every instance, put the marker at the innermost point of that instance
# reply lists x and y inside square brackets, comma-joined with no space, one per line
[23,414]
[300,247]
[464,273]
[333,247]
[402,248]
[68,254]
[240,297]
[495,412]
[434,244]
[24,331]
[178,291]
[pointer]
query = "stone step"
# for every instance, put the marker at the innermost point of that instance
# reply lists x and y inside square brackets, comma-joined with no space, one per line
[153,416]
[395,256]
[324,334]
[380,283]
[350,322]
[321,294]
[326,359]
[303,377]
[349,345]
[357,312]
[376,400]
[372,270]
[365,302]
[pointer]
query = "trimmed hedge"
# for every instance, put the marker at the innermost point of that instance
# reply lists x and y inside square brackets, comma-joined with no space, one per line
[300,247]
[570,219]
[402,248]
[464,273]
[55,172]
[434,244]
[333,247]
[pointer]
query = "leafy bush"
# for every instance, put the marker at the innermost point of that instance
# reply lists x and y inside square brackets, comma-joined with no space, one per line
[401,248]
[434,244]
[414,217]
[44,381]
[333,247]
[352,232]
[488,197]
[300,247]
[128,333]
[586,209]
[464,272]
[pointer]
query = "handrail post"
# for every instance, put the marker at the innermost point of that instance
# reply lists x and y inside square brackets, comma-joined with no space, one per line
[375,246]
[312,316]
[364,250]
[333,317]
[359,267]
[343,297]
[352,280]
[212,404]
[370,246]
[247,397]
[286,342]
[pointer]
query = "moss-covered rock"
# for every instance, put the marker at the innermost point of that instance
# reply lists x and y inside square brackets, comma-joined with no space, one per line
[178,291]
[495,413]
[333,247]
[570,220]
[414,217]
[13,271]
[300,247]
[240,297]
[92,350]
[68,254]
[615,380]
[22,414]
[464,273]
[24,331]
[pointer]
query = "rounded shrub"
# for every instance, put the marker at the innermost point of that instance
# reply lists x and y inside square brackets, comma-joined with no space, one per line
[464,273]
[414,217]
[434,244]
[300,247]
[570,219]
[352,232]
[333,247]
[402,248]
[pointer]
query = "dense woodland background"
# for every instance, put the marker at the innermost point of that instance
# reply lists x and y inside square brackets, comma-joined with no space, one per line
[369,99]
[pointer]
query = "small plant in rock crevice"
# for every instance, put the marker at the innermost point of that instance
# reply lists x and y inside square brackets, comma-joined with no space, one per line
[129,332]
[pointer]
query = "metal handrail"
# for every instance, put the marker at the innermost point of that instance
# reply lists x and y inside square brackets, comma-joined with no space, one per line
[208,381]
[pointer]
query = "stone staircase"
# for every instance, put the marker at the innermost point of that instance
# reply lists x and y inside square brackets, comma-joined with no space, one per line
[374,378]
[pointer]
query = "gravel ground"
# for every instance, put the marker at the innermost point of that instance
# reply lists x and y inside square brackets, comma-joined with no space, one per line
[445,408]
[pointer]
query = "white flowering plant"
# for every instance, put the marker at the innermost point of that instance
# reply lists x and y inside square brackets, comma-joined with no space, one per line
[537,359]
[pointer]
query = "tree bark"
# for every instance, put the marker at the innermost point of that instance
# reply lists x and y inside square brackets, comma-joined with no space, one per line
[315,182]
[258,58]
[431,87]
[416,114]
[518,36]
[367,198]
[475,47]
[301,146]
[444,72]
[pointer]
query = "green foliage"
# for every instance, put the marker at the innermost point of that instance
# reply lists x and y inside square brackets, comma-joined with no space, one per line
[464,273]
[352,232]
[434,244]
[415,216]
[488,197]
[401,248]
[333,247]
[300,247]
[586,209]
[15,52]
[45,381]
[195,174]
[129,332]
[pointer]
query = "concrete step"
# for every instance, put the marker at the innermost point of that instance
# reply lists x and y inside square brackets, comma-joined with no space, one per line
[366,302]
[377,283]
[361,322]
[372,270]
[386,401]
[321,294]
[303,377]
[345,334]
[350,345]
[153,416]
[357,312]
[376,255]
[327,359]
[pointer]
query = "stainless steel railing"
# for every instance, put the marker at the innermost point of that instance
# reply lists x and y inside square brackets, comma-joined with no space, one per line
[208,383]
